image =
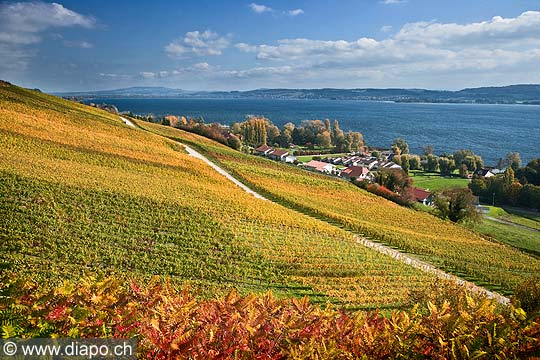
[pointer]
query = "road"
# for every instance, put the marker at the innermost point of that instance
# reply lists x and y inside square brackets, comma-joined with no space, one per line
[501,221]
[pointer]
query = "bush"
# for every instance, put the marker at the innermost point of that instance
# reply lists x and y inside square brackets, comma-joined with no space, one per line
[172,324]
[527,295]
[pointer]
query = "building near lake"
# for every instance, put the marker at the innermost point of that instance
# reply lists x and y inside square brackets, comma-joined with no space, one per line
[319,166]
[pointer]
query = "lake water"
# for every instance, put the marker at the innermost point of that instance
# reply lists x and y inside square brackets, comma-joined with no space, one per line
[488,130]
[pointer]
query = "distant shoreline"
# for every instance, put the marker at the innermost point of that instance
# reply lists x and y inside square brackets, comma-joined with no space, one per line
[97,98]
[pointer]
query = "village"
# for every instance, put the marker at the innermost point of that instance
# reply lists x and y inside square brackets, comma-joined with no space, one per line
[354,166]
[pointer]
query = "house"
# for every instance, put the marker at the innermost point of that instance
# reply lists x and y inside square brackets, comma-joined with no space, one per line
[279,155]
[290,159]
[337,161]
[423,196]
[485,172]
[319,166]
[369,162]
[263,150]
[355,172]
[391,165]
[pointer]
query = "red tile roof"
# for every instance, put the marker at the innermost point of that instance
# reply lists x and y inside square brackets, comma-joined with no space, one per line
[263,148]
[421,194]
[317,165]
[279,153]
[354,171]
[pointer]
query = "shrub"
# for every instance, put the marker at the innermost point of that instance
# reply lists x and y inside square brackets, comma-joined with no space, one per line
[527,295]
[171,324]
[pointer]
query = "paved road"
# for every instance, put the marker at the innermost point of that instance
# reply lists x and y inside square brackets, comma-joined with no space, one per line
[404,258]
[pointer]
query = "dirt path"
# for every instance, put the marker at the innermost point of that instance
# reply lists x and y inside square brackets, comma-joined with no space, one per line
[506,222]
[426,267]
[404,258]
[222,172]
[127,122]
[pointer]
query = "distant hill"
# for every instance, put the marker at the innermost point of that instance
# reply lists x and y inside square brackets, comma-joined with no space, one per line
[513,94]
[137,91]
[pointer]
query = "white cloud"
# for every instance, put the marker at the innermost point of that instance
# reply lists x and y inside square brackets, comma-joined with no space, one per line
[257,72]
[112,76]
[390,2]
[259,9]
[22,24]
[494,46]
[147,74]
[202,66]
[198,43]
[25,20]
[79,44]
[386,28]
[295,12]
[500,30]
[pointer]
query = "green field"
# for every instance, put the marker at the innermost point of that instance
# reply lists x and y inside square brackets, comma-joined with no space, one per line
[307,158]
[435,181]
[527,218]
[522,230]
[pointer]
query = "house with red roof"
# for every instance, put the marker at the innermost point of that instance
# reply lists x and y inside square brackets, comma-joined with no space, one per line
[319,166]
[263,150]
[423,196]
[278,154]
[355,172]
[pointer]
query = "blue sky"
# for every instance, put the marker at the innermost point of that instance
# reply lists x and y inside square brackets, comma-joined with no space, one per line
[227,45]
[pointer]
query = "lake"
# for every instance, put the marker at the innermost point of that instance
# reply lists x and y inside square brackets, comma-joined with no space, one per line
[488,130]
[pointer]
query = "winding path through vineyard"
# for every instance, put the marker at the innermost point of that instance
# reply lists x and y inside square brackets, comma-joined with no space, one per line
[404,258]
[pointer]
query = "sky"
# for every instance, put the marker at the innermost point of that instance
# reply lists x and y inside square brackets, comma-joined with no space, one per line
[240,45]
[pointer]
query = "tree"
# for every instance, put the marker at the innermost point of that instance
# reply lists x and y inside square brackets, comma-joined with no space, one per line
[468,158]
[234,142]
[428,150]
[356,140]
[460,155]
[402,145]
[405,165]
[323,139]
[446,165]
[254,131]
[470,162]
[432,163]
[463,171]
[236,128]
[286,134]
[394,179]
[414,162]
[530,174]
[327,125]
[457,205]
[513,160]
[337,133]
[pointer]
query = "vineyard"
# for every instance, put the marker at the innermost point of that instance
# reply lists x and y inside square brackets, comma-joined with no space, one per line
[448,246]
[83,194]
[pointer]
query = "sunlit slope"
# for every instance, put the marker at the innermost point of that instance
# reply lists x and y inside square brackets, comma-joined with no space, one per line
[80,192]
[448,246]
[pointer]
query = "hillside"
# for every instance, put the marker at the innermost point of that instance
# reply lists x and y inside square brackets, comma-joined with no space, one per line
[111,231]
[442,243]
[81,193]
[526,93]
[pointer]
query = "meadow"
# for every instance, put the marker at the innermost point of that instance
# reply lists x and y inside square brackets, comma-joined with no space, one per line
[435,181]
[448,246]
[83,194]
